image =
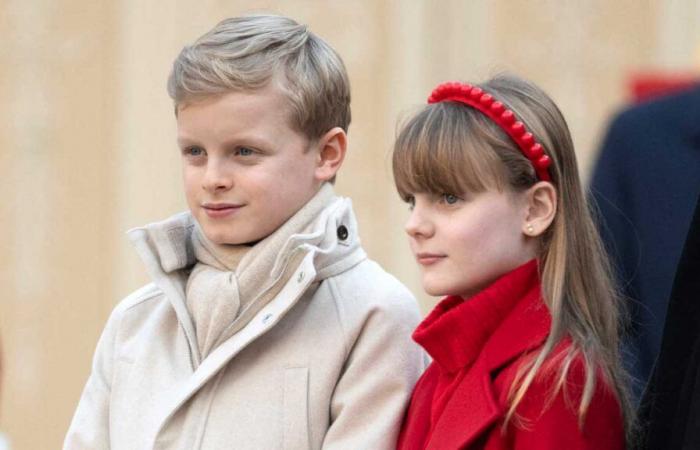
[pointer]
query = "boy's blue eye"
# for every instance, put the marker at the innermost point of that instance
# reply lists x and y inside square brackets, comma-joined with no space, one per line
[245,151]
[194,151]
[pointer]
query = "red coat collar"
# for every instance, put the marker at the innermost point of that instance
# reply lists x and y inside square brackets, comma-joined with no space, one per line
[524,325]
[455,332]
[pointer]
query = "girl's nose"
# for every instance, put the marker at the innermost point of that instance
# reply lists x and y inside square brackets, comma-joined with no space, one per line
[418,225]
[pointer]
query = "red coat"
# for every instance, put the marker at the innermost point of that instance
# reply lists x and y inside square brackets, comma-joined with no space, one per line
[477,346]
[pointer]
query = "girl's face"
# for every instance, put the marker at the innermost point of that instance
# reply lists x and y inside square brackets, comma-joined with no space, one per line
[464,243]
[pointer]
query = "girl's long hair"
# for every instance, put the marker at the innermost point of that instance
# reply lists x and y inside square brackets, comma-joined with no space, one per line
[448,147]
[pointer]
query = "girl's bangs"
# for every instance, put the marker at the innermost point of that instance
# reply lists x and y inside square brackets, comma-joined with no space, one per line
[441,150]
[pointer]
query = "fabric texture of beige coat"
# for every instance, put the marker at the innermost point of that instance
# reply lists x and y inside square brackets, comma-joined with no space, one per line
[327,364]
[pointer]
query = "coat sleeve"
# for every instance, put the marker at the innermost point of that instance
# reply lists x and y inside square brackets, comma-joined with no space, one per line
[382,366]
[552,424]
[89,428]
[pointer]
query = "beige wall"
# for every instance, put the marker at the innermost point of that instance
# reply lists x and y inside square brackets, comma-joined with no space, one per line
[87,147]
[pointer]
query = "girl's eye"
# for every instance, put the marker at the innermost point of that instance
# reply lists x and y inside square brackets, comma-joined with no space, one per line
[450,199]
[245,151]
[411,200]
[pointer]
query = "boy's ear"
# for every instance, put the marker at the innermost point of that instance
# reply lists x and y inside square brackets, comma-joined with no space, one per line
[541,208]
[331,153]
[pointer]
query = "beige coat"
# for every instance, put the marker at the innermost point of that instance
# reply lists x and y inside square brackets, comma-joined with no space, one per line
[328,363]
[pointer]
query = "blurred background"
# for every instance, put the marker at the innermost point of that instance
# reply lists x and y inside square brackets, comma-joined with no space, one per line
[87,146]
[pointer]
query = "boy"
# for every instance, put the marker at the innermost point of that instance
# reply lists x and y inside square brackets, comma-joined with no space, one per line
[265,326]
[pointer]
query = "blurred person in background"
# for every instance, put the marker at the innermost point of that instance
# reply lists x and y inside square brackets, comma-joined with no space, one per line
[645,184]
[670,408]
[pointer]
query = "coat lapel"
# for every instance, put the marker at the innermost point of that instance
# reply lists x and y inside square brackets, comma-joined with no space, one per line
[265,319]
[474,407]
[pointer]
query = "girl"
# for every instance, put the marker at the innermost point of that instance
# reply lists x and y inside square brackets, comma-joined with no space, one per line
[525,345]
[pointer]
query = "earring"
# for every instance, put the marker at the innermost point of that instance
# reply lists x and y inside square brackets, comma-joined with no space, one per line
[530,229]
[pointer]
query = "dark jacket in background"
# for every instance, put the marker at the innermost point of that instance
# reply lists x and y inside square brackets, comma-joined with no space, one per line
[670,412]
[645,184]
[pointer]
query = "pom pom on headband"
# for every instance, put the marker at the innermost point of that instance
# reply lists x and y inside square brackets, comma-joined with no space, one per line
[504,118]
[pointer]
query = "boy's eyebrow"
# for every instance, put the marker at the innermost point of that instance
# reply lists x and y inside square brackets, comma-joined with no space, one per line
[255,141]
[185,140]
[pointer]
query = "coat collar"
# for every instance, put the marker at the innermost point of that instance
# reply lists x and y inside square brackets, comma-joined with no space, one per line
[455,332]
[329,247]
[524,327]
[165,247]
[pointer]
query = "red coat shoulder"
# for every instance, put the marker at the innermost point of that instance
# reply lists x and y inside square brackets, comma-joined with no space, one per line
[549,419]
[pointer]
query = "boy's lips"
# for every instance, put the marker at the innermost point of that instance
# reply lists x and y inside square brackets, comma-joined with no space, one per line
[426,259]
[219,210]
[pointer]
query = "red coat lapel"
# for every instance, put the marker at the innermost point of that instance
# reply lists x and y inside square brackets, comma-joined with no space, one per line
[470,411]
[474,406]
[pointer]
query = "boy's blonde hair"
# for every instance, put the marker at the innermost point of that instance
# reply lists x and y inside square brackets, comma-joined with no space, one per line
[451,148]
[246,53]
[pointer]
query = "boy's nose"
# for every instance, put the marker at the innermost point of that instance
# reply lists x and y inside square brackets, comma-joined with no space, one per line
[216,179]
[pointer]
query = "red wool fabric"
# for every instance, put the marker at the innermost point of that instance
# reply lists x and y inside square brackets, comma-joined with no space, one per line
[477,345]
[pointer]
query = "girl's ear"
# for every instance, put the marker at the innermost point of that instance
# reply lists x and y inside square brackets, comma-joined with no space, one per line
[331,153]
[542,206]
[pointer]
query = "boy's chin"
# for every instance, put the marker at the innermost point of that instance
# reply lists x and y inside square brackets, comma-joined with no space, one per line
[235,241]
[231,239]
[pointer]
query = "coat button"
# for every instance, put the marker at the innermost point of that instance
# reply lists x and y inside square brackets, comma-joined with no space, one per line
[342,232]
[300,277]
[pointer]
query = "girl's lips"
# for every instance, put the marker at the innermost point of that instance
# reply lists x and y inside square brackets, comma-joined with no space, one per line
[219,211]
[425,259]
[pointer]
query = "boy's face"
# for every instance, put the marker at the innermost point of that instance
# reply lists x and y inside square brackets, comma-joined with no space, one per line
[245,169]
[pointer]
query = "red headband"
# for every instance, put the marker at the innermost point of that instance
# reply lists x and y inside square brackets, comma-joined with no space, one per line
[504,118]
